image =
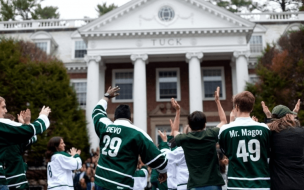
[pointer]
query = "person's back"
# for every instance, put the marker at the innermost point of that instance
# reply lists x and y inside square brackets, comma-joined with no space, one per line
[120,144]
[287,153]
[287,159]
[246,143]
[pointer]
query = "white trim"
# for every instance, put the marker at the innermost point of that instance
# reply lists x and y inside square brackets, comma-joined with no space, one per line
[114,171]
[106,122]
[15,176]
[18,183]
[177,69]
[10,122]
[249,179]
[2,176]
[34,129]
[154,159]
[129,125]
[113,84]
[40,126]
[240,122]
[110,181]
[223,89]
[163,154]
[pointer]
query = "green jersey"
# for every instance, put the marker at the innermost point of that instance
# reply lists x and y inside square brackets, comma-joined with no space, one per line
[246,143]
[120,144]
[13,133]
[201,157]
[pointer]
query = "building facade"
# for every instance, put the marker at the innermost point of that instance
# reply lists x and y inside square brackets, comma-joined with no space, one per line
[155,50]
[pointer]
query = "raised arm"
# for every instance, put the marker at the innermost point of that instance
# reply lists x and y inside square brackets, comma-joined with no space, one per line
[221,112]
[297,107]
[175,124]
[15,133]
[100,117]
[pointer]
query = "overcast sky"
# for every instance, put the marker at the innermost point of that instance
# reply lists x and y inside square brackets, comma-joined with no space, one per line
[74,9]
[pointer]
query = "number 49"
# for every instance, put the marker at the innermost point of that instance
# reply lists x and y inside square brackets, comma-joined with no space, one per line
[242,152]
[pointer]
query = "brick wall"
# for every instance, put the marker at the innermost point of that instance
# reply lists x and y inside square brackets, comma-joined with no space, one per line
[209,106]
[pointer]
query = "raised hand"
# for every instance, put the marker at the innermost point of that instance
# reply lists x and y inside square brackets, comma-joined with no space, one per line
[45,111]
[297,107]
[20,117]
[112,92]
[73,151]
[266,110]
[232,116]
[254,118]
[163,136]
[175,105]
[217,94]
[27,116]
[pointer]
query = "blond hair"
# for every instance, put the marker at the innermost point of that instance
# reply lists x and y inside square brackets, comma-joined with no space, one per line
[285,122]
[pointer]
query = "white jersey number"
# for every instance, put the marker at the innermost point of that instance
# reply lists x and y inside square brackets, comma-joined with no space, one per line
[253,149]
[114,145]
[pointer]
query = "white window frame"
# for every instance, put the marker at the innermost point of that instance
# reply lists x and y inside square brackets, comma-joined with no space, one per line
[48,45]
[223,89]
[212,124]
[157,128]
[263,45]
[76,81]
[178,84]
[113,84]
[74,49]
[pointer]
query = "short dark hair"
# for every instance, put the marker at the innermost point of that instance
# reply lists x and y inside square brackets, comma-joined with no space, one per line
[245,101]
[197,120]
[122,111]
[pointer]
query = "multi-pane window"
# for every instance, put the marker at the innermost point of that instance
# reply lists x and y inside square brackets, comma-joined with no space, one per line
[124,79]
[256,44]
[212,78]
[42,46]
[168,84]
[81,92]
[80,49]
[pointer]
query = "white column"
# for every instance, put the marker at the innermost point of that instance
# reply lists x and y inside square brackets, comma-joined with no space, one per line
[241,65]
[233,76]
[140,91]
[92,95]
[102,70]
[195,81]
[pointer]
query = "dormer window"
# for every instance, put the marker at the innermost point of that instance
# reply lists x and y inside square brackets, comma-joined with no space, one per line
[44,41]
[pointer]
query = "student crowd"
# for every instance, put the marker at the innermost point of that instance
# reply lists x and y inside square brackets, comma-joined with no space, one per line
[241,154]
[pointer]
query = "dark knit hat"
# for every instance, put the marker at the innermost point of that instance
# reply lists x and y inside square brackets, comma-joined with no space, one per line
[281,111]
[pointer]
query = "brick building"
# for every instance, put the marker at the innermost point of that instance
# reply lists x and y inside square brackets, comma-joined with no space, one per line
[155,50]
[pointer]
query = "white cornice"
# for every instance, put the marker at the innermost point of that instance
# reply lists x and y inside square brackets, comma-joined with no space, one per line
[186,31]
[88,30]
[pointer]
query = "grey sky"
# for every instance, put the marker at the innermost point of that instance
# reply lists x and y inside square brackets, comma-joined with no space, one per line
[74,9]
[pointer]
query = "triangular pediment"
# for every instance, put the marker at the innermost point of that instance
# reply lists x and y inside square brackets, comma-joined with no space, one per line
[143,16]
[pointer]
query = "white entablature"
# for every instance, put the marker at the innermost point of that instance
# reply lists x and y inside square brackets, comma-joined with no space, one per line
[141,18]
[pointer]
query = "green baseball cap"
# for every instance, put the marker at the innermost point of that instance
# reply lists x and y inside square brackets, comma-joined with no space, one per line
[281,111]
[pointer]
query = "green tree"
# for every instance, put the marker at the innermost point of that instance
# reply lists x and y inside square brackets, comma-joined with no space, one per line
[30,79]
[280,71]
[104,8]
[234,5]
[26,10]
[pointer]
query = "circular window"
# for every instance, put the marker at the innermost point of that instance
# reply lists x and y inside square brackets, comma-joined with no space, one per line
[166,14]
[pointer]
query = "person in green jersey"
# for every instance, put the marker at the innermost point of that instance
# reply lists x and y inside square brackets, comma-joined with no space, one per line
[15,170]
[199,147]
[246,143]
[13,133]
[120,144]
